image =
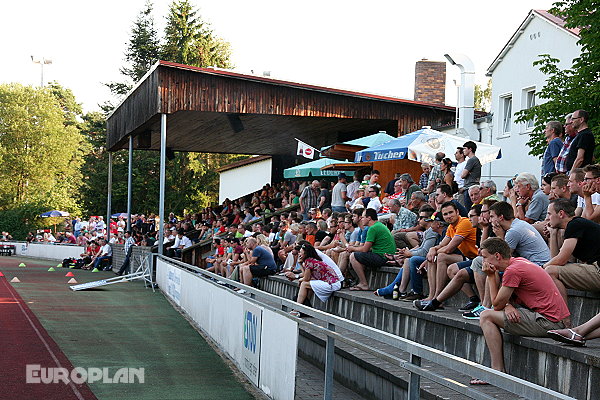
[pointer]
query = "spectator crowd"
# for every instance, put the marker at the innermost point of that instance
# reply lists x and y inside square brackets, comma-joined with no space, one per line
[513,253]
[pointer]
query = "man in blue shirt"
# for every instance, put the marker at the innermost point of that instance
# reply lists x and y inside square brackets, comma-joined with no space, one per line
[552,133]
[260,263]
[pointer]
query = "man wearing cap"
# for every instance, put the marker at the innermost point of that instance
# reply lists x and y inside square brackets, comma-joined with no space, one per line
[338,194]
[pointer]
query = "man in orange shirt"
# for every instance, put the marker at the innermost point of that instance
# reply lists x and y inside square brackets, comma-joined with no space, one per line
[458,245]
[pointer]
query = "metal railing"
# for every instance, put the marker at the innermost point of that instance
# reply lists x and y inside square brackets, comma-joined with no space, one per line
[417,351]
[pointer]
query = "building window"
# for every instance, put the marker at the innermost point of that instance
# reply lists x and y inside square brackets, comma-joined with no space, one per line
[506,112]
[529,102]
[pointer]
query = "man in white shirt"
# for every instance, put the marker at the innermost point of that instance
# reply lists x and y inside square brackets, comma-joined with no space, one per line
[181,242]
[374,202]
[590,201]
[460,166]
[105,254]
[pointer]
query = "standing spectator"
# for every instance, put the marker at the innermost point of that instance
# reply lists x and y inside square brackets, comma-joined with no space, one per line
[472,171]
[338,195]
[424,178]
[371,254]
[460,166]
[325,196]
[527,303]
[436,176]
[581,152]
[128,250]
[351,188]
[309,198]
[553,134]
[570,133]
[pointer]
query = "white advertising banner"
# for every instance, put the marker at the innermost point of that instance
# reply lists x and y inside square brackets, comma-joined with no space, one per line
[174,285]
[251,338]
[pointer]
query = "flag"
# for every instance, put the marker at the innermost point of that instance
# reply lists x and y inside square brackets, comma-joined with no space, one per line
[305,150]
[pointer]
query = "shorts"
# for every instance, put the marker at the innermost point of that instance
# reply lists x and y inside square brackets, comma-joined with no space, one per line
[531,324]
[580,276]
[476,265]
[466,265]
[457,251]
[369,259]
[261,270]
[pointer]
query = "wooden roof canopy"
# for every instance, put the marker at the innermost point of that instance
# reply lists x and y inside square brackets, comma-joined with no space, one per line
[218,111]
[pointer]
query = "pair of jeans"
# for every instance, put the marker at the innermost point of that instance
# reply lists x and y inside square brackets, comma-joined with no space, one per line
[339,209]
[99,260]
[416,279]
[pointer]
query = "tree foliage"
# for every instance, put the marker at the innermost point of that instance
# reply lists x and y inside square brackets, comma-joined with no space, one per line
[189,40]
[191,180]
[483,97]
[41,150]
[578,87]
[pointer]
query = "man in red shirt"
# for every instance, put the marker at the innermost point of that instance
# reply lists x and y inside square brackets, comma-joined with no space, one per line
[527,304]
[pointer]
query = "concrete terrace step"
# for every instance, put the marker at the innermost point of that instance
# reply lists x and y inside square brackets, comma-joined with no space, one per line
[569,370]
[376,378]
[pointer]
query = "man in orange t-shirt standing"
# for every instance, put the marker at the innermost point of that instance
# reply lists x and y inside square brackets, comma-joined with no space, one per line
[459,244]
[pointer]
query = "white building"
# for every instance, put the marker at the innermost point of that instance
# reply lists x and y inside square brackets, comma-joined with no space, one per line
[515,82]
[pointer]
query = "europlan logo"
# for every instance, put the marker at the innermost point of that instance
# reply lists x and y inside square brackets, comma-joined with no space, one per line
[36,374]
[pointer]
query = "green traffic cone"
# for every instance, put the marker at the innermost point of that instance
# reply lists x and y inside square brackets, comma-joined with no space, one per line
[51,269]
[59,266]
[22,265]
[95,270]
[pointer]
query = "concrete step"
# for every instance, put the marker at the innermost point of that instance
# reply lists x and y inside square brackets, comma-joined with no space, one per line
[375,378]
[569,370]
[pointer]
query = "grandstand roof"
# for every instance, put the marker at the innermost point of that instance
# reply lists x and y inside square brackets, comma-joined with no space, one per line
[220,111]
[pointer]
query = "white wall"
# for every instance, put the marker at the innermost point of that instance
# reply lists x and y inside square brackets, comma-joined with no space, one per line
[244,180]
[47,251]
[514,74]
[220,314]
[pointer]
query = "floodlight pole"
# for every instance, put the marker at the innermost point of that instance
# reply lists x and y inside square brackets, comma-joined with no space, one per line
[41,61]
[109,196]
[161,199]
[129,182]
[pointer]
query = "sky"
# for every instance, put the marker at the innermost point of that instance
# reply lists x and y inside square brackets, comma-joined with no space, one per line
[369,47]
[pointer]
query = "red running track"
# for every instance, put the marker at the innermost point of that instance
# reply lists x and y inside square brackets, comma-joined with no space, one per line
[24,341]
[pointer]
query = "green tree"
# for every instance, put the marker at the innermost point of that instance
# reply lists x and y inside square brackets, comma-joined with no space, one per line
[189,40]
[483,97]
[41,150]
[143,50]
[567,90]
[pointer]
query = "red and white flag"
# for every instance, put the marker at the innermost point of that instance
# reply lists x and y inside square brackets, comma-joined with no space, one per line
[305,150]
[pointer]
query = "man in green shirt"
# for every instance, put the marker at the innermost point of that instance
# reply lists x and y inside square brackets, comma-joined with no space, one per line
[372,253]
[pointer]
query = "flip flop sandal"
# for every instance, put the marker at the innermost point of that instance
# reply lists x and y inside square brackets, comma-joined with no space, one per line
[295,313]
[572,340]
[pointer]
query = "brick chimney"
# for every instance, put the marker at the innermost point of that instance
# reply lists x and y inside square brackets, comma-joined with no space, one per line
[430,81]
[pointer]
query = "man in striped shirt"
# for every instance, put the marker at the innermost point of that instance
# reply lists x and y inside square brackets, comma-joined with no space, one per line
[570,133]
[129,243]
